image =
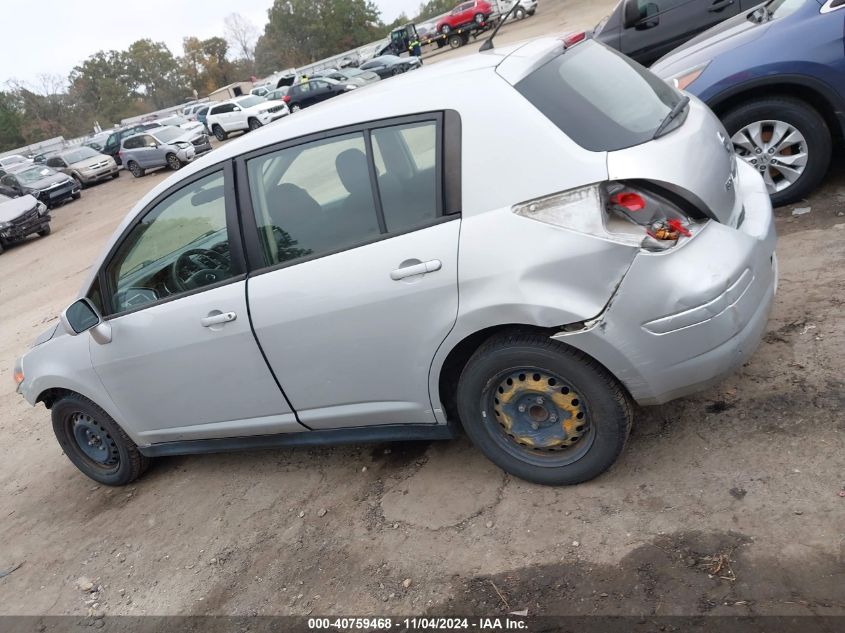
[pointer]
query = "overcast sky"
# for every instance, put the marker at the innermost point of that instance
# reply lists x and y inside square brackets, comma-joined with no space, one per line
[53,36]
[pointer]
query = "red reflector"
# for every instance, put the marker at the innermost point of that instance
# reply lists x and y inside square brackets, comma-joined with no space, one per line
[675,225]
[573,38]
[286,98]
[629,201]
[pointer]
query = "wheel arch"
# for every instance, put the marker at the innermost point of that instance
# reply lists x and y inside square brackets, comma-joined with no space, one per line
[450,370]
[816,93]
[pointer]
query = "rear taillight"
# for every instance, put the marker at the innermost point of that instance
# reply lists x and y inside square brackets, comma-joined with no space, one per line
[615,211]
[572,39]
[286,98]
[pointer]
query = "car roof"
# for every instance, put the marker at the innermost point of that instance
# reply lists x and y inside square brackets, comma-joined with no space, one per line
[443,86]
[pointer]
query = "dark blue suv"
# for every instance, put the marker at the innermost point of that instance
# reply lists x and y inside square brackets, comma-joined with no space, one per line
[775,76]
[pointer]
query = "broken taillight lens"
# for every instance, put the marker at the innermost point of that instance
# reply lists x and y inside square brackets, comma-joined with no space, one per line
[617,212]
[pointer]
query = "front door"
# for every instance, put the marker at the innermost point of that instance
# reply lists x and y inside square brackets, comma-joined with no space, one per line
[666,24]
[182,363]
[356,287]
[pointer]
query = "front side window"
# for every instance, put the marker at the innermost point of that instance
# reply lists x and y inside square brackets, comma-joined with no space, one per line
[180,245]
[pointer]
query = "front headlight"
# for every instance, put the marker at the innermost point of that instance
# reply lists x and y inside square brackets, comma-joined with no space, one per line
[17,376]
[5,225]
[351,86]
[42,208]
[182,144]
[682,80]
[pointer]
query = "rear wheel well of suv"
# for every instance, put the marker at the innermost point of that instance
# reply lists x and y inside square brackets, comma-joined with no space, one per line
[807,93]
[458,358]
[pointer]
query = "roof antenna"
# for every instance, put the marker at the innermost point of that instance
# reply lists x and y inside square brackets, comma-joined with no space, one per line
[488,43]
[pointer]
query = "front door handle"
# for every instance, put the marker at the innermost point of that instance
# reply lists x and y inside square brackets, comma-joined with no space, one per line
[412,268]
[218,319]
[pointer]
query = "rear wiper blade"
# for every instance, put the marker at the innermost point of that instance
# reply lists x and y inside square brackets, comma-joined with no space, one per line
[673,114]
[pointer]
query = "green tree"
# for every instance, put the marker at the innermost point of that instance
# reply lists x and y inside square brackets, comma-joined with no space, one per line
[299,32]
[10,123]
[154,73]
[101,86]
[204,64]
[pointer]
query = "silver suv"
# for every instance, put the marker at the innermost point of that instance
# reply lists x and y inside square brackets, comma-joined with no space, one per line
[354,275]
[158,147]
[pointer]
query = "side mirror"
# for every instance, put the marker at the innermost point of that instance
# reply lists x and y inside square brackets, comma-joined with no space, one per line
[631,13]
[81,316]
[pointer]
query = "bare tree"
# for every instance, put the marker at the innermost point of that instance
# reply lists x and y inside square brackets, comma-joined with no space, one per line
[241,35]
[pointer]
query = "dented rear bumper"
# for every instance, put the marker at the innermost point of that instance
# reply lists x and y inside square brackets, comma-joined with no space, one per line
[683,319]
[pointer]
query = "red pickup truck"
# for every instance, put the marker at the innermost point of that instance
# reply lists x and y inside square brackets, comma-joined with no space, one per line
[477,11]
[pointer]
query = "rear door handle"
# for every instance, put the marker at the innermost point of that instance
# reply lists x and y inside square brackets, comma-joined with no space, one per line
[218,319]
[416,269]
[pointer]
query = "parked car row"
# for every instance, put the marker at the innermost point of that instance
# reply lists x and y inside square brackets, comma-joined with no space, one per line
[774,73]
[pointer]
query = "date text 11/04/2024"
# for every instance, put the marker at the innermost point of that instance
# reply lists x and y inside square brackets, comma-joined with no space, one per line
[418,624]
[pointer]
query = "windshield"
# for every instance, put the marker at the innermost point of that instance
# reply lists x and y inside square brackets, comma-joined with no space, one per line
[78,155]
[167,134]
[34,173]
[174,120]
[248,102]
[599,98]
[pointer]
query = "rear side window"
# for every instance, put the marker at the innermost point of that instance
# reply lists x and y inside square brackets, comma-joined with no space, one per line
[599,98]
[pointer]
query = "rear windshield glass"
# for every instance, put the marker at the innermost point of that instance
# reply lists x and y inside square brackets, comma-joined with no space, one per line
[599,98]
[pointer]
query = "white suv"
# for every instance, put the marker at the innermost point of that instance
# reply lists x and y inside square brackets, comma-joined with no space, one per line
[242,114]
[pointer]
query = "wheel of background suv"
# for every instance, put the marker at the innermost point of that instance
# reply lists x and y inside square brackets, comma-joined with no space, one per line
[519,14]
[786,140]
[45,231]
[543,411]
[135,169]
[219,133]
[79,181]
[445,29]
[254,124]
[77,195]
[173,162]
[295,107]
[94,442]
[115,175]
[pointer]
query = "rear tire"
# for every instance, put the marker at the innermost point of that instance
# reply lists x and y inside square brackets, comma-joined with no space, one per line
[109,456]
[295,107]
[219,133]
[582,414]
[456,41]
[135,169]
[807,121]
[519,14]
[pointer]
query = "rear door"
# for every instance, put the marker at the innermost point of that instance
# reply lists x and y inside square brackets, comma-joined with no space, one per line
[356,283]
[666,24]
[320,91]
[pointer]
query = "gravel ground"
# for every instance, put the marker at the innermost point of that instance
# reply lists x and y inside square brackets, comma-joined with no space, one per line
[729,502]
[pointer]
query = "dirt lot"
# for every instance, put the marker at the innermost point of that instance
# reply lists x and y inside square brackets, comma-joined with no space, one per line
[729,502]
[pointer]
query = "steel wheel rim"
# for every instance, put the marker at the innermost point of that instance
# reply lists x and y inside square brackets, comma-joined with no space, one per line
[538,417]
[777,150]
[95,444]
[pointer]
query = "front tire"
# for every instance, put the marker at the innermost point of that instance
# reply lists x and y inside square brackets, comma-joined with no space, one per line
[542,411]
[479,18]
[94,442]
[786,140]
[254,124]
[519,14]
[445,29]
[173,162]
[45,231]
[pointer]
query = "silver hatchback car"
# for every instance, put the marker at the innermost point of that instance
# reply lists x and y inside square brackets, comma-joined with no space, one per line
[356,275]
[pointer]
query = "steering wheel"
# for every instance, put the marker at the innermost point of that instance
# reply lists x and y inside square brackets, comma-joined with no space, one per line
[203,266]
